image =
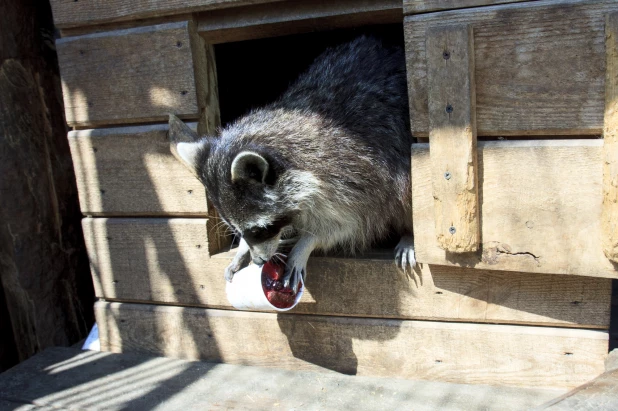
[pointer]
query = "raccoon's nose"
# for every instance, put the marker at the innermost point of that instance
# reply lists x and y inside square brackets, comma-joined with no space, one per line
[259,260]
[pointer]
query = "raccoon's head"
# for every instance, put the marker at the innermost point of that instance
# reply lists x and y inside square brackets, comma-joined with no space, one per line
[250,187]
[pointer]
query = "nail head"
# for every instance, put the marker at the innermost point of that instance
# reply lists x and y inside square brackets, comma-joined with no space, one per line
[452,230]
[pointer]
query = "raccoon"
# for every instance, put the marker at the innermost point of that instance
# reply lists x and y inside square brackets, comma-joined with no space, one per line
[327,164]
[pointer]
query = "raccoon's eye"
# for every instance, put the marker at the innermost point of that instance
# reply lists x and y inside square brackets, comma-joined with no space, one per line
[259,234]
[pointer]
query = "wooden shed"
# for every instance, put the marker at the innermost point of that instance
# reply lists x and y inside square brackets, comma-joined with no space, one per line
[514,110]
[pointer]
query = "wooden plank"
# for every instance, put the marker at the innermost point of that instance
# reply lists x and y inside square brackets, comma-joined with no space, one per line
[452,137]
[54,380]
[130,24]
[426,6]
[541,208]
[130,171]
[205,70]
[71,13]
[439,351]
[610,149]
[131,76]
[300,16]
[539,66]
[147,247]
[335,285]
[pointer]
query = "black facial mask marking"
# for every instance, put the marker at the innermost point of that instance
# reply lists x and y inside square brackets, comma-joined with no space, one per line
[256,235]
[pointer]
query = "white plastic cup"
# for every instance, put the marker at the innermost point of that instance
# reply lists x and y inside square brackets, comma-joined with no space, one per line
[245,292]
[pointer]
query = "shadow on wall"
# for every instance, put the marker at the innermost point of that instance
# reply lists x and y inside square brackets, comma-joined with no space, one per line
[147,244]
[120,246]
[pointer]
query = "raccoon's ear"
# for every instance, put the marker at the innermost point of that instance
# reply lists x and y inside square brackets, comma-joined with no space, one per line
[185,144]
[249,166]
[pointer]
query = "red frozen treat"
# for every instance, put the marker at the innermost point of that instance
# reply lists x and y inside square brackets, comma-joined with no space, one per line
[277,295]
[272,270]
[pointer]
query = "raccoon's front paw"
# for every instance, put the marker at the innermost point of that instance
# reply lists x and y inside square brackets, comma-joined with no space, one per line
[240,261]
[293,274]
[235,266]
[404,253]
[230,270]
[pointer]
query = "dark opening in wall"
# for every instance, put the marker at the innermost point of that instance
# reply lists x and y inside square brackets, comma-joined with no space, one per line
[255,72]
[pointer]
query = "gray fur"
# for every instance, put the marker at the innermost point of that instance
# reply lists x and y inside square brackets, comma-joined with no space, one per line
[337,143]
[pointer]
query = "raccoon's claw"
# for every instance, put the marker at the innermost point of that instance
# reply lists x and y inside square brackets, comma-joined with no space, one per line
[296,267]
[404,253]
[237,264]
[293,274]
[240,261]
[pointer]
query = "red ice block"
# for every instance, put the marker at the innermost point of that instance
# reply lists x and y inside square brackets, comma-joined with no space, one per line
[276,293]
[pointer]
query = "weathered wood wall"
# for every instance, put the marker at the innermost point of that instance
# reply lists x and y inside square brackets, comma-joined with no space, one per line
[70,13]
[460,353]
[426,6]
[130,171]
[609,216]
[541,208]
[540,66]
[167,261]
[292,17]
[43,264]
[539,203]
[134,75]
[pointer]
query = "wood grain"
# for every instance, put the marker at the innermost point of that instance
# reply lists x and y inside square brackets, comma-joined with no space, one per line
[128,266]
[71,13]
[130,171]
[539,66]
[426,6]
[299,16]
[207,87]
[452,137]
[609,217]
[439,351]
[131,76]
[146,247]
[540,208]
